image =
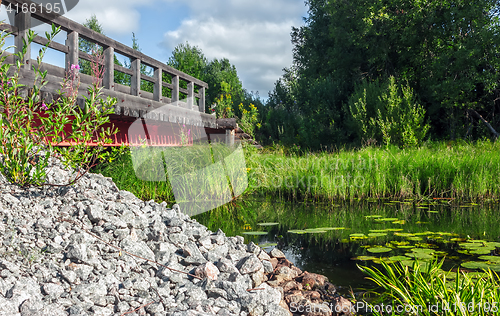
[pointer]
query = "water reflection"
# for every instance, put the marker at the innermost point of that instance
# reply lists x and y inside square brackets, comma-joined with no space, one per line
[350,230]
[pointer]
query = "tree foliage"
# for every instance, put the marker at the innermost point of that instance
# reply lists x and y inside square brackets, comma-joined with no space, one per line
[447,52]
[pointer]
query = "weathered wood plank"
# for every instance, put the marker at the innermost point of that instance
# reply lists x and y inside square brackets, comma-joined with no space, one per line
[190,95]
[201,102]
[175,88]
[88,57]
[135,81]
[157,95]
[108,81]
[54,45]
[73,51]
[124,70]
[9,29]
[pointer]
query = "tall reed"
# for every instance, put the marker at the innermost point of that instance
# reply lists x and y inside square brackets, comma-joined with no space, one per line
[455,170]
[428,290]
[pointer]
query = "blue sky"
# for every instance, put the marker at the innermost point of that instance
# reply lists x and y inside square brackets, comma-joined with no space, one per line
[253,35]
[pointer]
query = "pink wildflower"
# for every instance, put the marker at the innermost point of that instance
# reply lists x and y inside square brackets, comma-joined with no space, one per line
[189,132]
[77,67]
[44,106]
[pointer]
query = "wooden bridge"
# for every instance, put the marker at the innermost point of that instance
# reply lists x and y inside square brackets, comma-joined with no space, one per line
[133,103]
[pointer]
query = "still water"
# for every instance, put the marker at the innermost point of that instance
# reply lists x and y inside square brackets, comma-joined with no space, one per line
[332,239]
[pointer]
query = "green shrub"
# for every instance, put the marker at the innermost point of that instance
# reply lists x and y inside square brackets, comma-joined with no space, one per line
[30,129]
[387,112]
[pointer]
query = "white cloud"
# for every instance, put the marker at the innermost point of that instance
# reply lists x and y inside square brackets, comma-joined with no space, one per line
[115,16]
[254,36]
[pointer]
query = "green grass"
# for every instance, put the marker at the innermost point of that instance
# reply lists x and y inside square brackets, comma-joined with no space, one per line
[454,170]
[428,290]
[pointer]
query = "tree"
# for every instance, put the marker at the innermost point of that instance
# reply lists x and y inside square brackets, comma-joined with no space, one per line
[188,59]
[445,50]
[220,71]
[191,60]
[90,47]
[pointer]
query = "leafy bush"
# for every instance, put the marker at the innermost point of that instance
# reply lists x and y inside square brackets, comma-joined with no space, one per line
[31,129]
[249,119]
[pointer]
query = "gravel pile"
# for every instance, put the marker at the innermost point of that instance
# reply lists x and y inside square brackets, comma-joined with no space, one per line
[91,249]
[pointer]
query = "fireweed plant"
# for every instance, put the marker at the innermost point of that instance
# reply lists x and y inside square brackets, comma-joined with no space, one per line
[32,128]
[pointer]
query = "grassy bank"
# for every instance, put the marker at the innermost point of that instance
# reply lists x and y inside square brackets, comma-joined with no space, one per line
[454,170]
[451,170]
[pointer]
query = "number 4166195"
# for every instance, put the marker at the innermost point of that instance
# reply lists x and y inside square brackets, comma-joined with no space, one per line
[32,8]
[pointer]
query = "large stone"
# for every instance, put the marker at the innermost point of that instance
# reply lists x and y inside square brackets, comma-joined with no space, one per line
[95,212]
[249,264]
[78,252]
[52,289]
[312,280]
[207,270]
[276,253]
[138,248]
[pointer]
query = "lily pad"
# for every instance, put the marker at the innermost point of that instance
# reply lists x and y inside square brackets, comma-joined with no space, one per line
[379,230]
[268,224]
[493,259]
[470,245]
[403,234]
[331,228]
[373,216]
[400,222]
[422,250]
[379,249]
[315,231]
[475,265]
[255,233]
[297,231]
[398,258]
[357,235]
[416,238]
[387,219]
[482,251]
[364,258]
[268,244]
[377,234]
[419,255]
[405,246]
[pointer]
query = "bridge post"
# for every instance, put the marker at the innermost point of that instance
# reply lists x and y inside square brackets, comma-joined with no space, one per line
[201,103]
[175,89]
[109,68]
[190,96]
[157,95]
[23,22]
[73,49]
[135,81]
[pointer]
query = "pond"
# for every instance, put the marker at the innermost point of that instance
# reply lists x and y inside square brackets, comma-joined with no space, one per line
[332,239]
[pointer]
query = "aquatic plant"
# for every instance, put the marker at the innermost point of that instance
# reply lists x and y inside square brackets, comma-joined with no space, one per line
[428,290]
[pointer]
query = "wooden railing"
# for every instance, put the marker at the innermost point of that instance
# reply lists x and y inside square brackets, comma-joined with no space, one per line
[195,101]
